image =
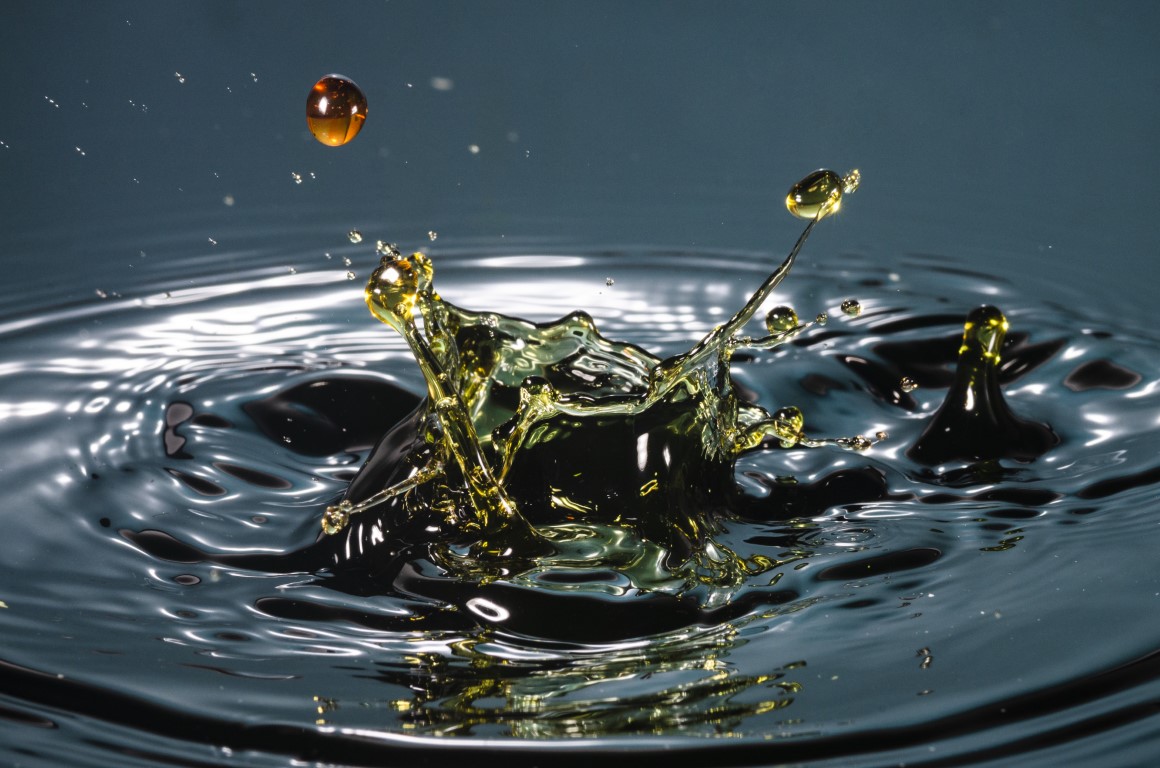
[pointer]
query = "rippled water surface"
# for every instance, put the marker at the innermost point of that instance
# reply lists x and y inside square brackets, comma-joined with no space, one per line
[162,437]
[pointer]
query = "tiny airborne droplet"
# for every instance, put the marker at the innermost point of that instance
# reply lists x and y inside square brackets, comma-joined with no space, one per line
[907,384]
[852,307]
[335,110]
[354,236]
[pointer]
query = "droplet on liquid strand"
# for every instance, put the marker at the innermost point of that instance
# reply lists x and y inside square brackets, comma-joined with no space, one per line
[819,194]
[335,110]
[781,319]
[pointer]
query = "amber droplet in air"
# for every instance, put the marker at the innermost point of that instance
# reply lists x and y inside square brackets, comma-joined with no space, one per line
[335,110]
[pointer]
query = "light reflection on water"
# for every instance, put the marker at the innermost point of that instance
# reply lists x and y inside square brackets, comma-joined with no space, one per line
[1010,584]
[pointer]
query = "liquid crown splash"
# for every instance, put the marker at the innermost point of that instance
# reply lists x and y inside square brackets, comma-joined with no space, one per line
[536,439]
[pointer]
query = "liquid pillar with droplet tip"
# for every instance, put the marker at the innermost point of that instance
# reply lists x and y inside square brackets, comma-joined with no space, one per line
[975,422]
[335,110]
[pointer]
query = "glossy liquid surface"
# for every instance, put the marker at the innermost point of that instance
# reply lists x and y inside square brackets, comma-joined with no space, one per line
[177,493]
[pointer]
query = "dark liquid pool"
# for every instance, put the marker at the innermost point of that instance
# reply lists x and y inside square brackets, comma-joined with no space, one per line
[166,448]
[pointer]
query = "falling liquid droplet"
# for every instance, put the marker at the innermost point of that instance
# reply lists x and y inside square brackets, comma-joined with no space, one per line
[296,176]
[351,275]
[907,384]
[335,110]
[822,318]
[609,282]
[852,307]
[432,234]
[354,236]
[781,319]
[180,77]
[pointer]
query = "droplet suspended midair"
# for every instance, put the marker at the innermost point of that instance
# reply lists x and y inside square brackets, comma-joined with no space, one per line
[335,110]
[819,194]
[852,307]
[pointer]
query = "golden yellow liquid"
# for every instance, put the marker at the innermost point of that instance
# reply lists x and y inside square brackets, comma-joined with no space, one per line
[522,444]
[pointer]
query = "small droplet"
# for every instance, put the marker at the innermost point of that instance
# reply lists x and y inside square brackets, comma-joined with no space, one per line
[335,518]
[254,76]
[180,77]
[442,83]
[789,422]
[907,384]
[346,262]
[80,151]
[822,318]
[609,282]
[431,235]
[851,181]
[852,307]
[354,236]
[819,194]
[881,435]
[387,249]
[293,271]
[228,200]
[102,294]
[473,149]
[211,241]
[335,110]
[350,275]
[296,176]
[781,319]
[860,443]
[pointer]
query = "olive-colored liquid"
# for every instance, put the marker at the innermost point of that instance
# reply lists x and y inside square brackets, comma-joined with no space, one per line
[537,439]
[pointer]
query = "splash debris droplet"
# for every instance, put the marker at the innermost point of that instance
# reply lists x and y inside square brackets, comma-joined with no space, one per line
[296,176]
[819,194]
[335,110]
[907,384]
[852,307]
[473,149]
[442,83]
[432,234]
[387,249]
[350,275]
[822,318]
[781,319]
[354,236]
[180,77]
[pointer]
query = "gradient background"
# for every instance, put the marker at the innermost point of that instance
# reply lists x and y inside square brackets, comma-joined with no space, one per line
[1016,137]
